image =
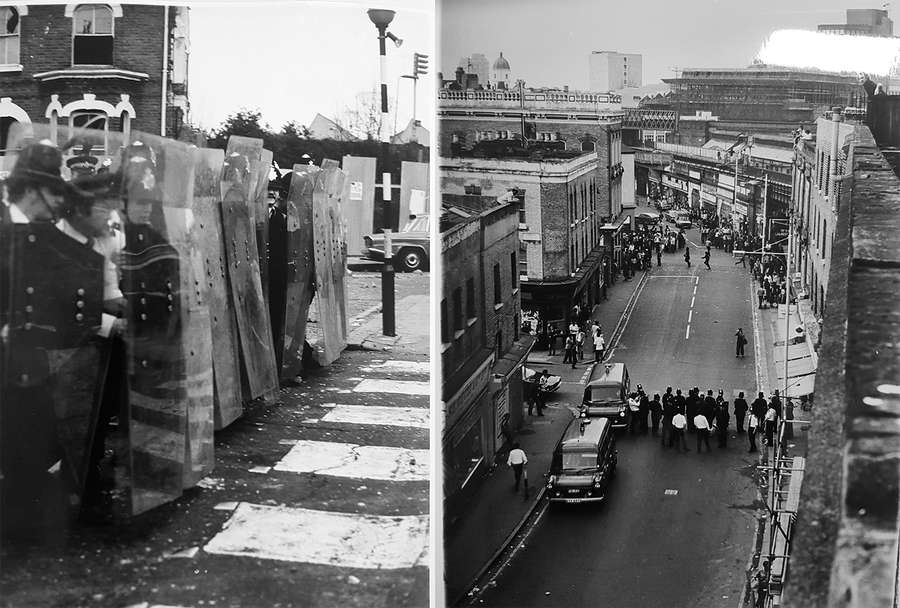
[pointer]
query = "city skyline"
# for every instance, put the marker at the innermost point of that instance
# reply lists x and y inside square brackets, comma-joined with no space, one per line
[467,27]
[277,65]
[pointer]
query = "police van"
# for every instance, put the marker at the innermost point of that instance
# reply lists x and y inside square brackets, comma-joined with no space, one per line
[606,394]
[583,463]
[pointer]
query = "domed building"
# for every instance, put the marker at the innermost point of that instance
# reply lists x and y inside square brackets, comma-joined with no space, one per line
[500,79]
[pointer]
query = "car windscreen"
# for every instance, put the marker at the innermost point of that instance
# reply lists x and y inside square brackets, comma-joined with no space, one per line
[602,393]
[579,460]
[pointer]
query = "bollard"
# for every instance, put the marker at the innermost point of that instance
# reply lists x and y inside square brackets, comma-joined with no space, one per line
[388,324]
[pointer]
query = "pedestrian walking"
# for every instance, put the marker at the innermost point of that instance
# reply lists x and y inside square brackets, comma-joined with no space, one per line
[771,421]
[531,388]
[551,341]
[706,258]
[517,460]
[702,428]
[599,345]
[740,410]
[569,356]
[658,254]
[679,422]
[687,256]
[655,414]
[740,341]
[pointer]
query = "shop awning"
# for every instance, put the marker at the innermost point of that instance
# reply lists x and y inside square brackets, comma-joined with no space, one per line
[801,363]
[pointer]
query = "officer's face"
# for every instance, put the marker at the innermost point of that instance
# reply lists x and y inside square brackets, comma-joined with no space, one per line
[139,211]
[52,203]
[97,220]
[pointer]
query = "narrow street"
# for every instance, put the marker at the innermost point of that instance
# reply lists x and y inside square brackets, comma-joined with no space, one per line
[317,499]
[676,528]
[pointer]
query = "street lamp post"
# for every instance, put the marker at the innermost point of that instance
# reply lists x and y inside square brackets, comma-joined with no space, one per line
[382,18]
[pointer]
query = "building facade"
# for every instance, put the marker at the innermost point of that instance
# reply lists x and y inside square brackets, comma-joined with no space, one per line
[611,71]
[110,67]
[482,350]
[862,22]
[477,64]
[564,202]
[819,167]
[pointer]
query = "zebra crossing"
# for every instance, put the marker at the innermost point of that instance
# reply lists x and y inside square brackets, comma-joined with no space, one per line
[381,395]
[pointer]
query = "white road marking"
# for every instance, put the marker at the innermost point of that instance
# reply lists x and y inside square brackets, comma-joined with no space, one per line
[403,387]
[417,417]
[262,470]
[687,333]
[671,276]
[671,492]
[323,537]
[692,301]
[409,367]
[690,316]
[356,461]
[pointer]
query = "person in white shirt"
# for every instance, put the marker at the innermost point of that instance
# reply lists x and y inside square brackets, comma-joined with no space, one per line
[679,422]
[599,346]
[579,343]
[517,460]
[702,426]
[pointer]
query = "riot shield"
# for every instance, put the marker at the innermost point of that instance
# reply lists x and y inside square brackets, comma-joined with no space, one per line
[330,265]
[358,200]
[413,190]
[242,254]
[260,202]
[300,271]
[215,292]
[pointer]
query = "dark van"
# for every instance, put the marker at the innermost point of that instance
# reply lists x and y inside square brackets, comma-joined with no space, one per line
[584,462]
[606,394]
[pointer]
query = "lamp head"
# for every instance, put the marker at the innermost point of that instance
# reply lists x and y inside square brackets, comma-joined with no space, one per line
[381,17]
[397,41]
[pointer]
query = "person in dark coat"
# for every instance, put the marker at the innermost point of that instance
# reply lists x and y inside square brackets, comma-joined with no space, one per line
[775,402]
[687,256]
[706,258]
[708,407]
[655,414]
[722,419]
[691,407]
[679,401]
[643,410]
[740,410]
[668,412]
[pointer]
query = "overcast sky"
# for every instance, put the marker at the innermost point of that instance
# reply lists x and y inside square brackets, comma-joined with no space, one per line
[548,43]
[292,59]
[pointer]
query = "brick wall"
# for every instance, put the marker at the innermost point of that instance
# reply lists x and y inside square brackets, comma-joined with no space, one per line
[845,549]
[501,238]
[46,44]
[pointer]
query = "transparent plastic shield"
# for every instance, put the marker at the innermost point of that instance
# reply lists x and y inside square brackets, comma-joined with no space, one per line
[260,202]
[300,271]
[214,280]
[242,254]
[51,302]
[329,248]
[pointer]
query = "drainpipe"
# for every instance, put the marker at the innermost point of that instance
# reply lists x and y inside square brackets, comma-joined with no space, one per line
[165,71]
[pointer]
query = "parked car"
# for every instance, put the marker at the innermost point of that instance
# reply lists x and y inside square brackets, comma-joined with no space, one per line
[584,462]
[683,220]
[647,217]
[606,394]
[670,215]
[530,375]
[410,245]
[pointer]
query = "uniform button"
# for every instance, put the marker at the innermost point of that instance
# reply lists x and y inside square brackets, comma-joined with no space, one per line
[169,297]
[143,316]
[143,300]
[169,284]
[79,317]
[27,326]
[32,238]
[29,290]
[24,377]
[79,304]
[140,237]
[29,308]
[144,363]
[80,292]
[143,285]
[170,308]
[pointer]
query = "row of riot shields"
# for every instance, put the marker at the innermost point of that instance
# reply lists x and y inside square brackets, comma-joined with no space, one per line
[145,301]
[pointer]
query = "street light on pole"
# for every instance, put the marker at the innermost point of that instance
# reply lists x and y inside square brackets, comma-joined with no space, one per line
[382,18]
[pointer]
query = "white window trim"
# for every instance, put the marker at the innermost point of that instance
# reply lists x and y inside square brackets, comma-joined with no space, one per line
[70,13]
[22,9]
[11,110]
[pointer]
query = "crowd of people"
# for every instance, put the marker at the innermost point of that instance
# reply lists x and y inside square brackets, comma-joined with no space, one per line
[674,416]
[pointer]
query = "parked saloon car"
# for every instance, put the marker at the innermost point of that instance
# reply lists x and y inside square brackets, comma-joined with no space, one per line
[410,245]
[683,220]
[647,217]
[583,463]
[530,375]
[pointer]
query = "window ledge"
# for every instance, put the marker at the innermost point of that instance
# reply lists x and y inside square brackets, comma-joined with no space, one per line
[11,67]
[93,72]
[458,333]
[498,306]
[472,321]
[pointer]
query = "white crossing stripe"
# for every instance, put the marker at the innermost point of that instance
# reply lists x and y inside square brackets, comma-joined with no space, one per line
[345,540]
[380,415]
[403,387]
[671,492]
[409,367]
[356,461]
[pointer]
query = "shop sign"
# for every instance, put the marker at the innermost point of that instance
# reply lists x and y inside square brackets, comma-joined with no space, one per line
[473,386]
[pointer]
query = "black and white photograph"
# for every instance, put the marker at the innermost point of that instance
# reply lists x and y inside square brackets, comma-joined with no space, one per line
[669,303]
[215,381]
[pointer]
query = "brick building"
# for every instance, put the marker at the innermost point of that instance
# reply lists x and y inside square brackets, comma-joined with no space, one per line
[566,203]
[111,67]
[482,351]
[612,71]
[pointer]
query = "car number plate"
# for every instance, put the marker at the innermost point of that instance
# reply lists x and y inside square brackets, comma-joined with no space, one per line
[574,491]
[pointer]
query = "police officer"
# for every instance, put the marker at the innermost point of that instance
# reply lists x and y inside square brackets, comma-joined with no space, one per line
[740,410]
